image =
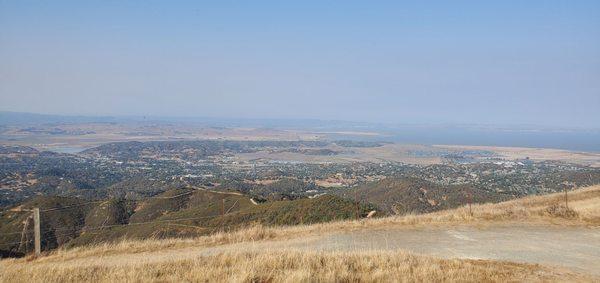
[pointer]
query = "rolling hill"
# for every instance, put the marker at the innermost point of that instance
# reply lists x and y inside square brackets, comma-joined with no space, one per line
[413,195]
[183,212]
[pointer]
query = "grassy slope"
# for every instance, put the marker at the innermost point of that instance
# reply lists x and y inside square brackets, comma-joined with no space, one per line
[161,217]
[84,264]
[288,266]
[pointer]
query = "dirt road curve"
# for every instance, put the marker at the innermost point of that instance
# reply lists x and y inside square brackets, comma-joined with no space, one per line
[577,248]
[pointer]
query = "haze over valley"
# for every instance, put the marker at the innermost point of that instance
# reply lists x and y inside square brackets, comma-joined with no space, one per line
[308,141]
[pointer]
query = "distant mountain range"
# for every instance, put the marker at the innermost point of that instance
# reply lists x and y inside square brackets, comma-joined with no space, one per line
[22,119]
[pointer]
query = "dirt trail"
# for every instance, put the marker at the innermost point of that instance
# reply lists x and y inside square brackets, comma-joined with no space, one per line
[216,192]
[576,248]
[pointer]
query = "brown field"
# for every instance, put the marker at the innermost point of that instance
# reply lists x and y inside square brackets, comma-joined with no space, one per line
[183,259]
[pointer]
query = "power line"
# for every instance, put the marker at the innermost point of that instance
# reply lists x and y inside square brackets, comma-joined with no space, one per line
[79,229]
[99,201]
[14,243]
[14,233]
[71,206]
[156,221]
[172,197]
[236,201]
[103,227]
[14,211]
[134,223]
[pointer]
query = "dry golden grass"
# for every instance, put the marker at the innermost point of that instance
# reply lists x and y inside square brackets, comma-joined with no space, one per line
[288,266]
[584,203]
[292,266]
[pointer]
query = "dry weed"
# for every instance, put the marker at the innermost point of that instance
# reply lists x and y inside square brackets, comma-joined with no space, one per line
[290,266]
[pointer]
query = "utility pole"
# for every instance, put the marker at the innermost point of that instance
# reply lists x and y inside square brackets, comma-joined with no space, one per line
[566,187]
[223,214]
[223,207]
[36,231]
[470,197]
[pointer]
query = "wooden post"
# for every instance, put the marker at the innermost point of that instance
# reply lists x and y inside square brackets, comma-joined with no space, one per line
[223,207]
[223,214]
[36,231]
[357,204]
[470,201]
[566,199]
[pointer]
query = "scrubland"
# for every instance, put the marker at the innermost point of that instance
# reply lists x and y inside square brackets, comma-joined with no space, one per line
[66,265]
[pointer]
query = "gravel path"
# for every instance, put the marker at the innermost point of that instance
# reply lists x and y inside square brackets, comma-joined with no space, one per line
[577,248]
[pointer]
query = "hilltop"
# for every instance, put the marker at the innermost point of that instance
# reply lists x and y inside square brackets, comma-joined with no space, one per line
[242,255]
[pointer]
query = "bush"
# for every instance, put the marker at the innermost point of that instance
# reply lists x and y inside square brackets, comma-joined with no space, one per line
[559,210]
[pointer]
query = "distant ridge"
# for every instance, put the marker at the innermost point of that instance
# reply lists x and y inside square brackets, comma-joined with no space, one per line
[22,118]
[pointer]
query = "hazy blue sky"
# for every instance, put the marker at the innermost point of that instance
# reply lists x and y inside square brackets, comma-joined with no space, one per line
[498,62]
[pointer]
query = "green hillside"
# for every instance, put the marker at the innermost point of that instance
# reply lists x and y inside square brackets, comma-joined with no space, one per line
[110,212]
[301,211]
[183,212]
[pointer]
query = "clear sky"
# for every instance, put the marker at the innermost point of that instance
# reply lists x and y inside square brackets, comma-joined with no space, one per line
[495,62]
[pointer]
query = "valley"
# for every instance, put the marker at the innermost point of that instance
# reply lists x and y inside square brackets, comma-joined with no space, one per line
[181,189]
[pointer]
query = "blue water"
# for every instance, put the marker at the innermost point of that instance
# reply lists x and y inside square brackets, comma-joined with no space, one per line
[577,140]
